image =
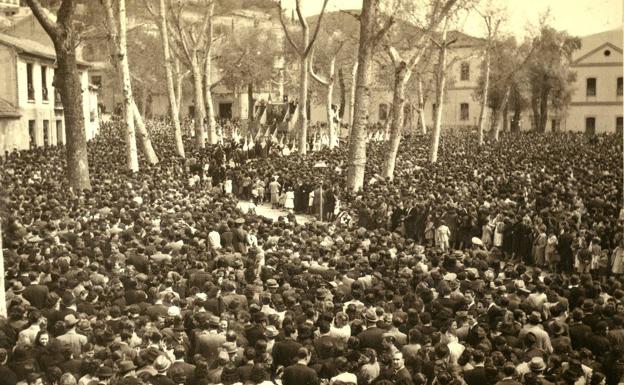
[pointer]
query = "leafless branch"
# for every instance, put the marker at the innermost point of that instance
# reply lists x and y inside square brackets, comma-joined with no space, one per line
[316,30]
[288,37]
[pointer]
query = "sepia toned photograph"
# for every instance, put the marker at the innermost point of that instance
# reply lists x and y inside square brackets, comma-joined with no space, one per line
[311,192]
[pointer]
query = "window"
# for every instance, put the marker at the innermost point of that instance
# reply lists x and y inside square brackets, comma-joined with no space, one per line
[619,86]
[44,83]
[29,82]
[619,124]
[590,125]
[383,111]
[591,86]
[464,111]
[554,125]
[464,72]
[59,132]
[46,133]
[32,133]
[97,80]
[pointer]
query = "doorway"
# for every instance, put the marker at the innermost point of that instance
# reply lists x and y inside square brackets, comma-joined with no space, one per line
[225,110]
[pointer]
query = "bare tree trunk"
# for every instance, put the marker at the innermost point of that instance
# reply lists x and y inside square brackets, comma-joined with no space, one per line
[67,80]
[144,97]
[398,104]
[250,102]
[357,138]
[543,110]
[303,104]
[499,113]
[343,93]
[422,121]
[143,135]
[210,114]
[3,307]
[178,87]
[331,125]
[515,123]
[535,110]
[484,101]
[352,94]
[506,118]
[198,100]
[131,147]
[174,114]
[437,129]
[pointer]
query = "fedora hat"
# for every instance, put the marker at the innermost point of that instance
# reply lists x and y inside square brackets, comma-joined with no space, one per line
[537,364]
[161,364]
[588,305]
[104,372]
[126,366]
[70,320]
[371,316]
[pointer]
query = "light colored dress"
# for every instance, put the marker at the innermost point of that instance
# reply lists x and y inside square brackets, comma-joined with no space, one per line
[289,203]
[617,261]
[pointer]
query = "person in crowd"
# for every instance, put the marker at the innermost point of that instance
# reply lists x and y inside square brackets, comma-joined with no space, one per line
[145,279]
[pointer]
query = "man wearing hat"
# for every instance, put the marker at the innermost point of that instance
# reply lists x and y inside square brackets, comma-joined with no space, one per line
[161,364]
[372,337]
[15,294]
[209,339]
[71,337]
[104,374]
[127,369]
[534,325]
[240,237]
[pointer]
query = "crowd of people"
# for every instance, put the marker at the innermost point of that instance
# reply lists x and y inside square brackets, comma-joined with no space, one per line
[499,264]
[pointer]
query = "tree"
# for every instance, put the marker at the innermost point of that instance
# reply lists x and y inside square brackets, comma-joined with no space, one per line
[192,39]
[247,58]
[328,83]
[66,36]
[440,85]
[507,81]
[492,19]
[303,52]
[174,105]
[119,47]
[549,73]
[370,35]
[403,68]
[120,53]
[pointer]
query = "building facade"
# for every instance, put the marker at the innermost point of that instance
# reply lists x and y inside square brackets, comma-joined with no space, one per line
[33,115]
[596,105]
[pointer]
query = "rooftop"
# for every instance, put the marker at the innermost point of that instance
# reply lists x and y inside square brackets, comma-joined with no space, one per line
[33,48]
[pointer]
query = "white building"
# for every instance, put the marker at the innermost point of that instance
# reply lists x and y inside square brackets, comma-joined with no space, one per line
[30,111]
[596,105]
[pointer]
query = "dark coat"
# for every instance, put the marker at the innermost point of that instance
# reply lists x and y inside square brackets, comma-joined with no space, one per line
[37,295]
[476,376]
[299,374]
[284,352]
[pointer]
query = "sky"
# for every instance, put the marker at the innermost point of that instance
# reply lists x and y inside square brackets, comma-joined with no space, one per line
[578,17]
